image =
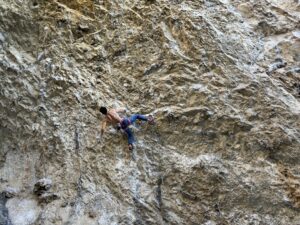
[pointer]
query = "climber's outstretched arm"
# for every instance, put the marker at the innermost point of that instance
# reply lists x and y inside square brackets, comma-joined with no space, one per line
[121,110]
[103,126]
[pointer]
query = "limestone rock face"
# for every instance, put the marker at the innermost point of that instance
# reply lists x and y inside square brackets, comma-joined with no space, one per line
[221,77]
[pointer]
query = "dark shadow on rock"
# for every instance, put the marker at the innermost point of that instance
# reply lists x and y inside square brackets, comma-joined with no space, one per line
[4,218]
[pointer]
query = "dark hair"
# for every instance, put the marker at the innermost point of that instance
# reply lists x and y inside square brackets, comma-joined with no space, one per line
[103,110]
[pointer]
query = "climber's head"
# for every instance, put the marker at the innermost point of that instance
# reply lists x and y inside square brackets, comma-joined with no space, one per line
[103,110]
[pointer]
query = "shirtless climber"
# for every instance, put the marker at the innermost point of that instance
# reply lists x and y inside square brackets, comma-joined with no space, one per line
[112,117]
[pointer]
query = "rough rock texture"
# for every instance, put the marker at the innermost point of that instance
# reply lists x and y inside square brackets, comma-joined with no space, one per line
[222,78]
[42,186]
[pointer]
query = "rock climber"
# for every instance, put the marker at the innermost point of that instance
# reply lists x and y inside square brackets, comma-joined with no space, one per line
[112,117]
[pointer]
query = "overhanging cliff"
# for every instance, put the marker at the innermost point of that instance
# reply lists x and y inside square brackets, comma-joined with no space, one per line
[222,78]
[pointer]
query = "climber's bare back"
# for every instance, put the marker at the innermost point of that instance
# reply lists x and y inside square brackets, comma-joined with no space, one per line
[113,117]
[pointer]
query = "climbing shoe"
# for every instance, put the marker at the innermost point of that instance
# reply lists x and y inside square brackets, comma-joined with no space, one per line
[130,147]
[151,120]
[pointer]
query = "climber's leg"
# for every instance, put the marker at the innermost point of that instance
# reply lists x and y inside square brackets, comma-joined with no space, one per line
[135,117]
[130,137]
